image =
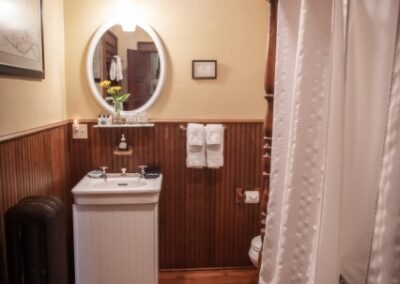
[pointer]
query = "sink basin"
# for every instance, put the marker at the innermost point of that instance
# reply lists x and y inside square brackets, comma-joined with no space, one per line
[117,189]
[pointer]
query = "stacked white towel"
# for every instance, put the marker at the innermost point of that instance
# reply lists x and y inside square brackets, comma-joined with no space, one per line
[215,145]
[116,69]
[195,146]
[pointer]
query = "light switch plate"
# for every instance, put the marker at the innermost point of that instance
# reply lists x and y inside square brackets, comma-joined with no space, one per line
[80,131]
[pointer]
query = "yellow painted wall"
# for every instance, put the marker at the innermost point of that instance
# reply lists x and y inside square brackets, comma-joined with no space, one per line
[27,103]
[234,32]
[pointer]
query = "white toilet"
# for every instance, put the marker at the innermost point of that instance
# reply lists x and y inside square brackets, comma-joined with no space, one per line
[254,251]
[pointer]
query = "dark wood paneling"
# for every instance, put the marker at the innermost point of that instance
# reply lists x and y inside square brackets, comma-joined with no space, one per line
[200,223]
[3,269]
[36,164]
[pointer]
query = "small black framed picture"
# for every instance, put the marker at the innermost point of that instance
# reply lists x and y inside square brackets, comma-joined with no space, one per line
[204,69]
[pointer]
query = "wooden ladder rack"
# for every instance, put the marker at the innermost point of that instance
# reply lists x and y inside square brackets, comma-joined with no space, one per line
[268,120]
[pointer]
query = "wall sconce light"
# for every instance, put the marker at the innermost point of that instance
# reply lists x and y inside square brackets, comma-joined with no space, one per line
[125,16]
[75,125]
[79,130]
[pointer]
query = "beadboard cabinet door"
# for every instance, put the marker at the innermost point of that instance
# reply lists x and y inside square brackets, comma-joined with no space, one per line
[116,243]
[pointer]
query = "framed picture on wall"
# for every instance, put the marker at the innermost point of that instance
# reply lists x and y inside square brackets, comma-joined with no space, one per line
[21,38]
[204,69]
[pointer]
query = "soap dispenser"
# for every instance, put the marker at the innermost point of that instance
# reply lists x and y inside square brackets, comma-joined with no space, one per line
[122,144]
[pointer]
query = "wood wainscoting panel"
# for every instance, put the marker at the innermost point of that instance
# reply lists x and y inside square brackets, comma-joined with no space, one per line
[3,267]
[200,223]
[235,225]
[35,164]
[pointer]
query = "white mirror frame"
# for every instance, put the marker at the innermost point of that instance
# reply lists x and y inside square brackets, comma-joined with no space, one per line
[89,67]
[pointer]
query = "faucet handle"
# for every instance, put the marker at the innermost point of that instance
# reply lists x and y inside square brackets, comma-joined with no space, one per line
[104,169]
[141,169]
[123,171]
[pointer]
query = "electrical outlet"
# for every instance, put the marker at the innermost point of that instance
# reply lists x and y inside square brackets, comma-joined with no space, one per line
[80,131]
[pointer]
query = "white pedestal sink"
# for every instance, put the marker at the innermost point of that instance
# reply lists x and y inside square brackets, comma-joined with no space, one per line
[116,230]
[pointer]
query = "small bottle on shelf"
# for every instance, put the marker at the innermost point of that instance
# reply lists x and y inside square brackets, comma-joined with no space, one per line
[123,146]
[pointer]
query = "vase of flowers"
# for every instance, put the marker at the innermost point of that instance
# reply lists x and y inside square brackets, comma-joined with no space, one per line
[115,98]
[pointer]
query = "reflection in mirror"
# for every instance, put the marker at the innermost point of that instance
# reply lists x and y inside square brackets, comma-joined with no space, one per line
[135,61]
[129,60]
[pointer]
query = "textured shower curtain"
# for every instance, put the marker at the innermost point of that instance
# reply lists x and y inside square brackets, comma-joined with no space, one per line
[385,253]
[334,83]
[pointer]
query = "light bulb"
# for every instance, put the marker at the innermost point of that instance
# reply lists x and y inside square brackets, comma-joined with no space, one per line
[124,14]
[75,125]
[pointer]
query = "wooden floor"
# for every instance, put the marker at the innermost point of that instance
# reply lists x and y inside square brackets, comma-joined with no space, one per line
[226,276]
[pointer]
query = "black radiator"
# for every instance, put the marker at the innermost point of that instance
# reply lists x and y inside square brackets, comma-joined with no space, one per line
[36,241]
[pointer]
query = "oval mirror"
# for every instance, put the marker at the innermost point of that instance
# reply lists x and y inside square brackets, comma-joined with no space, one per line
[135,61]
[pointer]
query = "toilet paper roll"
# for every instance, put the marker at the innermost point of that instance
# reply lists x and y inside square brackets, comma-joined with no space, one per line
[251,197]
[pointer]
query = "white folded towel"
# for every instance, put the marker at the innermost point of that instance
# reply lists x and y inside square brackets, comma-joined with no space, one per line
[116,69]
[195,134]
[195,146]
[112,74]
[215,145]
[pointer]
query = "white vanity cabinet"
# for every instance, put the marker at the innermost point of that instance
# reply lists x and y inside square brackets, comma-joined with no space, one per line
[116,230]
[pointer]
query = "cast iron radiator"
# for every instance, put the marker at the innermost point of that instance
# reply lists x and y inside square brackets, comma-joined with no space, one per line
[36,241]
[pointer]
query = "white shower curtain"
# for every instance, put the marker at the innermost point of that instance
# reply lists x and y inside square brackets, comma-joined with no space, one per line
[385,254]
[333,77]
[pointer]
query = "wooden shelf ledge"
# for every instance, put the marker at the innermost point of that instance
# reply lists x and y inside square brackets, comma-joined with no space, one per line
[123,153]
[124,125]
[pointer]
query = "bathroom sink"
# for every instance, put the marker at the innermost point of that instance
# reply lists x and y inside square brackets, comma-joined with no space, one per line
[117,189]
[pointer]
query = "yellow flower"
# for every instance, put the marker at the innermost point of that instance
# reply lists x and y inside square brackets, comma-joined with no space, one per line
[114,97]
[105,84]
[115,88]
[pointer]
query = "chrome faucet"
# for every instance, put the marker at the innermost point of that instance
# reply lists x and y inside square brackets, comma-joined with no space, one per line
[104,173]
[123,172]
[141,171]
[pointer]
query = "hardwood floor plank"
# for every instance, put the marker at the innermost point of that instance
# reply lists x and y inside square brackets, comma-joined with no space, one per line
[225,276]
